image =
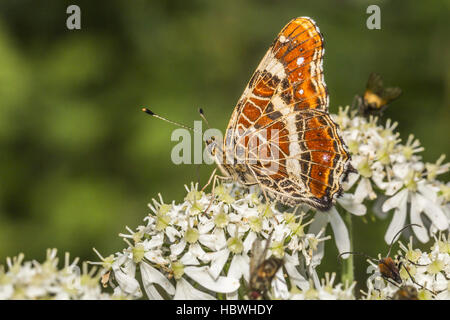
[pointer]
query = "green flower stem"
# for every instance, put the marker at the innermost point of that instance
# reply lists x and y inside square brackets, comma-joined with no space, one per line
[348,273]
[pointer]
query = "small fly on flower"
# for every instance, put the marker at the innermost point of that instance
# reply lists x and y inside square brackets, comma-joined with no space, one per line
[390,268]
[406,293]
[376,98]
[262,270]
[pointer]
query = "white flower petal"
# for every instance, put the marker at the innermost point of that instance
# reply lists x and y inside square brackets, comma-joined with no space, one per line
[315,277]
[189,259]
[349,203]
[151,275]
[239,266]
[393,186]
[416,209]
[427,191]
[280,288]
[248,242]
[177,248]
[218,261]
[396,201]
[185,291]
[221,241]
[376,209]
[318,255]
[198,252]
[152,293]
[351,179]
[202,277]
[128,284]
[398,221]
[208,240]
[320,221]
[206,227]
[363,190]
[172,233]
[340,231]
[129,268]
[435,213]
[155,242]
[295,276]
[155,257]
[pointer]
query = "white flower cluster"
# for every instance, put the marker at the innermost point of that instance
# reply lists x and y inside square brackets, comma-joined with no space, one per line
[427,272]
[201,249]
[394,175]
[32,280]
[325,291]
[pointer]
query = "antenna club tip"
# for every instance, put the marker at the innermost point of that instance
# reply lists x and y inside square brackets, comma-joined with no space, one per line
[146,110]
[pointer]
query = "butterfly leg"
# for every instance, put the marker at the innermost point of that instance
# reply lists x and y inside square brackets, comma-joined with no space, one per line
[210,179]
[265,196]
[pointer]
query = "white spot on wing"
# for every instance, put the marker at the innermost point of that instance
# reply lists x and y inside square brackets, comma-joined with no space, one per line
[275,67]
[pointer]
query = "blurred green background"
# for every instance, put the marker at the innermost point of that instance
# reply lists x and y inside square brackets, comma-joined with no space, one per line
[79,161]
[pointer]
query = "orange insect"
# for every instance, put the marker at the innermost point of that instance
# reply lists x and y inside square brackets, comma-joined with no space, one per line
[390,268]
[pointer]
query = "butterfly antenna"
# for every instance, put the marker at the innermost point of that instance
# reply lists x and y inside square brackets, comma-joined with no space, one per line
[202,115]
[151,113]
[356,253]
[398,233]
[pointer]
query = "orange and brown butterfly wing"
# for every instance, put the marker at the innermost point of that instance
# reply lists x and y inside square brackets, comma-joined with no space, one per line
[286,101]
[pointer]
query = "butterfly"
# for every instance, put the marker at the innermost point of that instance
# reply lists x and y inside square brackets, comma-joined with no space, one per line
[376,98]
[280,134]
[262,270]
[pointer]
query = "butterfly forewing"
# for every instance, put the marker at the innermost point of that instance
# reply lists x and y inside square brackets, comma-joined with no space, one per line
[300,156]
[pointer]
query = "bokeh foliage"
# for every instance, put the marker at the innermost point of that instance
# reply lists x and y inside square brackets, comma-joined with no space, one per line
[79,161]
